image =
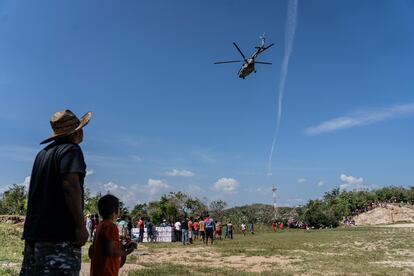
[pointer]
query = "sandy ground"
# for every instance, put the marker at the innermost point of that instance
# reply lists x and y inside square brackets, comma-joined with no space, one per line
[188,256]
[400,225]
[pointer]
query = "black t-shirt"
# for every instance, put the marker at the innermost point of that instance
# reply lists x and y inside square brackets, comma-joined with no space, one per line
[48,218]
[184,225]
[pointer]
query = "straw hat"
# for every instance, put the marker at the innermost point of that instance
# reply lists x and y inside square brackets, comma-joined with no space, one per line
[65,123]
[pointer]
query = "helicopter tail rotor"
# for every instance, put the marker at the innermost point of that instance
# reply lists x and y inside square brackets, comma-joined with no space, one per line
[263,38]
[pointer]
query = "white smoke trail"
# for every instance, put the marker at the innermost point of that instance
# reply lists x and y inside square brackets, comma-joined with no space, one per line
[290,29]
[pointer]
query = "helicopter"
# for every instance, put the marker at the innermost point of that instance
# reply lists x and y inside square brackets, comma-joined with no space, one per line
[249,63]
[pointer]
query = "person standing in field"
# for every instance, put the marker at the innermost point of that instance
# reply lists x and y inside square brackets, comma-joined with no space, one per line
[122,225]
[150,232]
[177,231]
[218,230]
[226,231]
[252,228]
[89,226]
[184,231]
[274,226]
[195,226]
[141,226]
[56,198]
[230,229]
[209,228]
[243,229]
[202,229]
[190,230]
[106,253]
[95,222]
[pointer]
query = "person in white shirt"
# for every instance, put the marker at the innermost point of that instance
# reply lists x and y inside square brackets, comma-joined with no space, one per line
[243,228]
[177,230]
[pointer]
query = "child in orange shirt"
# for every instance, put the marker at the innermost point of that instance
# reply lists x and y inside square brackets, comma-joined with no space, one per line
[106,254]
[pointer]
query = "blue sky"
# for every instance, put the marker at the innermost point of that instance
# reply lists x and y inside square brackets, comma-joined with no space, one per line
[167,119]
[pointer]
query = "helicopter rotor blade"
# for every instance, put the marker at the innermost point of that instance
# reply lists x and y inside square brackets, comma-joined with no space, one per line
[267,47]
[263,62]
[238,49]
[230,61]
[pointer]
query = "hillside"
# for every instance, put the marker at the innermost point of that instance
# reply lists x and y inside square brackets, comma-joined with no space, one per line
[259,213]
[391,214]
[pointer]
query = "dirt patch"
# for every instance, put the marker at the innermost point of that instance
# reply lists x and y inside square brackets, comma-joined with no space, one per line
[11,219]
[311,253]
[400,225]
[396,263]
[385,215]
[188,256]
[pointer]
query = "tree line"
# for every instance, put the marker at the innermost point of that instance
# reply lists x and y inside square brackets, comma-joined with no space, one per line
[337,204]
[325,212]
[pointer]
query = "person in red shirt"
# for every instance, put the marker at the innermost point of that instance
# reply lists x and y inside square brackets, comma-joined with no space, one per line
[106,254]
[274,225]
[141,226]
[195,226]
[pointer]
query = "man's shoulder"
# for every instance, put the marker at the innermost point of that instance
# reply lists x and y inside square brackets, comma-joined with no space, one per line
[61,148]
[64,147]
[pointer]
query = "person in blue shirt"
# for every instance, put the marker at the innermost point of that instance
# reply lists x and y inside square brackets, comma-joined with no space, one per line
[209,228]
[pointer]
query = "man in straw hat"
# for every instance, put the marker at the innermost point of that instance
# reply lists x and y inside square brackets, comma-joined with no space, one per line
[54,229]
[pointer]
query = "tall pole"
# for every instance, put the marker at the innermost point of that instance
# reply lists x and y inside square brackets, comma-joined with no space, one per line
[274,189]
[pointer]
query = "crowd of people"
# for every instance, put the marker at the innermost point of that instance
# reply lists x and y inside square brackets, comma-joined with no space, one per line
[349,221]
[56,197]
[370,206]
[188,230]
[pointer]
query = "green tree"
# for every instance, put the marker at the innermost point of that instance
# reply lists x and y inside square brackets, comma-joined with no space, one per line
[14,200]
[91,203]
[138,211]
[123,210]
[217,208]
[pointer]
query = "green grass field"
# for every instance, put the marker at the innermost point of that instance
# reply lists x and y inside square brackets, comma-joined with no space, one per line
[342,251]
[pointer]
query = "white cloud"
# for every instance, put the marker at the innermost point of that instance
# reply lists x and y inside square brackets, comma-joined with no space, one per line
[26,182]
[321,183]
[351,179]
[228,185]
[89,172]
[184,173]
[127,195]
[302,180]
[156,185]
[351,182]
[362,118]
[131,194]
[113,187]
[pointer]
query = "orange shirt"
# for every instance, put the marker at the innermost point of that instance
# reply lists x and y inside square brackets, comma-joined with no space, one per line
[141,224]
[100,263]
